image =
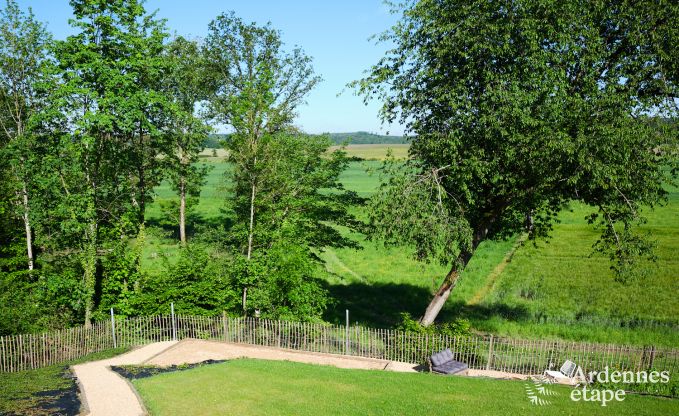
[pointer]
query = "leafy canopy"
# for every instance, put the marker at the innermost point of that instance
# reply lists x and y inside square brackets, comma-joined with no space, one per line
[520,107]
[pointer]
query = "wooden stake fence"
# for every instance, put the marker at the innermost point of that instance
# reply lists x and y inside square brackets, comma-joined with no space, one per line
[24,352]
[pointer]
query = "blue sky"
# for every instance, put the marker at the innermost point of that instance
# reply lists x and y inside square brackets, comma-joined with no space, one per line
[334,33]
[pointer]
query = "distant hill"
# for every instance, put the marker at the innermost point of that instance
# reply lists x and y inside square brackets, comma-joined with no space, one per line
[360,137]
[363,137]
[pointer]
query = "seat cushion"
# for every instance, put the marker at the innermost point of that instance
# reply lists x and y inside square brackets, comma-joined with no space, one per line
[436,359]
[448,355]
[451,367]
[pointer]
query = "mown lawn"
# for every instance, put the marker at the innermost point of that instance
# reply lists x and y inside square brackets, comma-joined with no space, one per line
[259,387]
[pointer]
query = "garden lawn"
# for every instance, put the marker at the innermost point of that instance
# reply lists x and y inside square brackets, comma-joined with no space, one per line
[259,387]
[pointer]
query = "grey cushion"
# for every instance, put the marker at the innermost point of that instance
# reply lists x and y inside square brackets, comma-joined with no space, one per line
[442,357]
[436,359]
[451,367]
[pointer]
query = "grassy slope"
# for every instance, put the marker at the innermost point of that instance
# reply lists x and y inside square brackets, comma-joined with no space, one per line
[558,279]
[18,390]
[561,280]
[258,387]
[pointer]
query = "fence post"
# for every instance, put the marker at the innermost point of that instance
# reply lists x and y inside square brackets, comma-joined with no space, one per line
[174,323]
[113,329]
[490,353]
[224,323]
[346,335]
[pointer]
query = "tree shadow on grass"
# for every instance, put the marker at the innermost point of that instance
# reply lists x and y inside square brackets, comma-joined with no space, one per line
[195,224]
[381,304]
[484,312]
[375,305]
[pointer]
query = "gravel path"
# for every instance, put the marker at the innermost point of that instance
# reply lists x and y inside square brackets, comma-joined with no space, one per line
[104,392]
[191,351]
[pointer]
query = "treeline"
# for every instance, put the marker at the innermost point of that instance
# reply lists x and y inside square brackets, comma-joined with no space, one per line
[216,141]
[92,124]
[362,137]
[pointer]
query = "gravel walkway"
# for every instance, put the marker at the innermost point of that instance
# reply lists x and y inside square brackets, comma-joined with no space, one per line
[104,392]
[190,351]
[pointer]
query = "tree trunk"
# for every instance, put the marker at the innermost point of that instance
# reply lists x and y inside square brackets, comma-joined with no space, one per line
[440,297]
[443,292]
[250,238]
[27,225]
[252,220]
[182,211]
[90,268]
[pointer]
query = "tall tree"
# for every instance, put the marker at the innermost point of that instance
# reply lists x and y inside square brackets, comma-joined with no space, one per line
[517,108]
[185,83]
[111,96]
[24,55]
[256,88]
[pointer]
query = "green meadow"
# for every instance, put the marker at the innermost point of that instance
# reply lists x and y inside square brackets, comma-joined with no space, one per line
[554,289]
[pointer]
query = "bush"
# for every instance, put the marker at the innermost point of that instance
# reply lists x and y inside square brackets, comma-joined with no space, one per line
[458,327]
[198,283]
[281,284]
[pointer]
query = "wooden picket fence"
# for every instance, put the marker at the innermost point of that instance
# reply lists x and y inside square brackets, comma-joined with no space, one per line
[24,352]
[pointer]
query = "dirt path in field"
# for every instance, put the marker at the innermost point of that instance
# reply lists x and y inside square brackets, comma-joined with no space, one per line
[492,277]
[332,256]
[104,392]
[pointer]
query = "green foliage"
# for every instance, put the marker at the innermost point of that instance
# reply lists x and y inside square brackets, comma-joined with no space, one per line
[184,84]
[198,282]
[110,117]
[169,211]
[215,141]
[454,328]
[362,137]
[519,109]
[278,173]
[283,285]
[251,74]
[415,208]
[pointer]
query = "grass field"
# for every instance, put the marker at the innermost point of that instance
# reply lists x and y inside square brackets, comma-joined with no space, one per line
[555,290]
[376,151]
[259,387]
[566,291]
[362,151]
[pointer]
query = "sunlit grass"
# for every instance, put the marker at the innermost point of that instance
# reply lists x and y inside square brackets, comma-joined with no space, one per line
[259,387]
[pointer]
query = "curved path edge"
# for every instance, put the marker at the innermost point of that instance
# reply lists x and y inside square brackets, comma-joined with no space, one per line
[104,392]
